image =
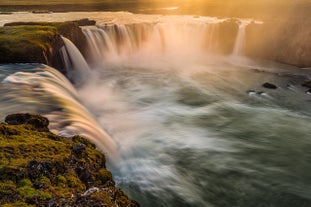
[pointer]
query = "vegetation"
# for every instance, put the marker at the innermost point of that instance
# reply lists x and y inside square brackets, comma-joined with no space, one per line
[39,168]
[39,42]
[18,41]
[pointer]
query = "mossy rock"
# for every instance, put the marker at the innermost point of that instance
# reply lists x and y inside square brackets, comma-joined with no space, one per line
[39,168]
[22,44]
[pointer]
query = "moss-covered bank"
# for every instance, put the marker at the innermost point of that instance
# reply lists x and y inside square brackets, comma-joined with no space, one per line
[40,42]
[39,168]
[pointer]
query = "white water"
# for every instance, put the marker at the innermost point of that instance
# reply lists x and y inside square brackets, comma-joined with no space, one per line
[78,61]
[240,39]
[41,89]
[189,129]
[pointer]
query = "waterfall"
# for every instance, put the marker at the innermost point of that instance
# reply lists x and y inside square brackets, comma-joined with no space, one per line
[42,89]
[119,41]
[76,58]
[65,58]
[240,39]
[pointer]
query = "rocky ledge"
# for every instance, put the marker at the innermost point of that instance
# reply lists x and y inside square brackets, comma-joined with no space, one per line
[40,42]
[39,168]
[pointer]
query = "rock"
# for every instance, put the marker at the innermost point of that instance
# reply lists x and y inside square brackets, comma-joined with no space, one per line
[307,84]
[37,170]
[79,149]
[308,92]
[85,22]
[285,42]
[269,86]
[40,123]
[90,191]
[40,42]
[227,34]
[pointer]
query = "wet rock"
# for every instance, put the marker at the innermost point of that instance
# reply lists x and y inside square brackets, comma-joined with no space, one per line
[307,84]
[269,86]
[85,22]
[79,149]
[36,169]
[40,123]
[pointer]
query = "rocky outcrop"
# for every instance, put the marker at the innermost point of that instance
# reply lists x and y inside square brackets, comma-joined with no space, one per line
[40,42]
[228,31]
[286,42]
[39,168]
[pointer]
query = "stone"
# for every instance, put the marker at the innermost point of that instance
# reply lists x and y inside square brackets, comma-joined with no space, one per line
[40,123]
[269,86]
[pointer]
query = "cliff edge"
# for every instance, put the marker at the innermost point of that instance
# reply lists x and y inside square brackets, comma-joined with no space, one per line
[39,168]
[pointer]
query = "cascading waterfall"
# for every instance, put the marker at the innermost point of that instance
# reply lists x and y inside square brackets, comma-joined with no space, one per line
[78,62]
[187,130]
[66,59]
[121,41]
[240,39]
[41,89]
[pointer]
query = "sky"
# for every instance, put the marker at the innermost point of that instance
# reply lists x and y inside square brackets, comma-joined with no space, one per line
[240,8]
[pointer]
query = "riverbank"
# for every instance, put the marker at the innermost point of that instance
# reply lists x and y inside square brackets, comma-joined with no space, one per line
[39,168]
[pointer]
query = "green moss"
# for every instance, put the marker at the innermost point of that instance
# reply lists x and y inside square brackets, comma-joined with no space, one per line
[24,182]
[80,139]
[17,41]
[61,181]
[38,166]
[7,187]
[27,191]
[104,175]
[18,204]
[73,181]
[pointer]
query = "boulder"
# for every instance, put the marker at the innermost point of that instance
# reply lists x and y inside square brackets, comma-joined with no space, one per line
[39,123]
[269,86]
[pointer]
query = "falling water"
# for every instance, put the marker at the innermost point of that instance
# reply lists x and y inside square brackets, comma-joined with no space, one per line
[41,89]
[189,128]
[240,39]
[121,41]
[79,62]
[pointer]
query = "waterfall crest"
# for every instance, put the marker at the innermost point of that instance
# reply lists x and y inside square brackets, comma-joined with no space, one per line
[76,58]
[42,89]
[110,42]
[240,38]
[121,41]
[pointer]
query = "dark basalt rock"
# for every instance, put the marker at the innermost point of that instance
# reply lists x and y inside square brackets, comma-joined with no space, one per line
[79,149]
[40,123]
[269,86]
[39,168]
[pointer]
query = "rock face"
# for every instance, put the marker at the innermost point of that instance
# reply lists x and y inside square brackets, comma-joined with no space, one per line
[39,168]
[39,123]
[228,31]
[286,42]
[40,42]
